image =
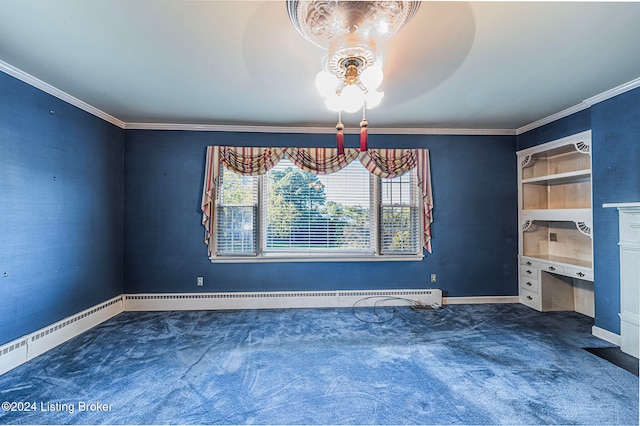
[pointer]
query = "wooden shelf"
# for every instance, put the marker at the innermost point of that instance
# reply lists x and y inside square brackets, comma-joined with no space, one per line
[572,215]
[560,178]
[570,190]
[558,160]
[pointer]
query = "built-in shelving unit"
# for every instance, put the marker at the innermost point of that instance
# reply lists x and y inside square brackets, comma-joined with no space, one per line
[555,243]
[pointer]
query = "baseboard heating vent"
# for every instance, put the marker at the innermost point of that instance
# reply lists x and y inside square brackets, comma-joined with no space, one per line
[6,349]
[399,293]
[429,297]
[279,299]
[227,295]
[30,346]
[71,320]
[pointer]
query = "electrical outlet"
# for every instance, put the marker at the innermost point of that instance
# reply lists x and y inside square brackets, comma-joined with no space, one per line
[200,281]
[553,236]
[433,278]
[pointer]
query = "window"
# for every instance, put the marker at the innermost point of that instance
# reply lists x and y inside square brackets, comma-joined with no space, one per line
[236,214]
[290,213]
[399,215]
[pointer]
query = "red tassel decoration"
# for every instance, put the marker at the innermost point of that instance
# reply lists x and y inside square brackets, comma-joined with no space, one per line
[364,137]
[340,137]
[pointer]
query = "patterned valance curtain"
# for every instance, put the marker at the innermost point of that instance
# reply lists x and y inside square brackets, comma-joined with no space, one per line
[249,161]
[321,161]
[389,163]
[252,161]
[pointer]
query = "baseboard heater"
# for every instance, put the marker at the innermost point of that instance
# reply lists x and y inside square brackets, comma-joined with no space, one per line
[25,348]
[30,346]
[280,299]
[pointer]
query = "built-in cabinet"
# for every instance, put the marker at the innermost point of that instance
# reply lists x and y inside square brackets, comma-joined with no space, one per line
[555,216]
[629,226]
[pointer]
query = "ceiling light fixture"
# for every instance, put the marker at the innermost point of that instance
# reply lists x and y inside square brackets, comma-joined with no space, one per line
[350,31]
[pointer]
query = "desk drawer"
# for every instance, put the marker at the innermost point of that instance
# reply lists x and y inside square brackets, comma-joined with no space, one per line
[529,272]
[583,274]
[554,269]
[530,299]
[530,284]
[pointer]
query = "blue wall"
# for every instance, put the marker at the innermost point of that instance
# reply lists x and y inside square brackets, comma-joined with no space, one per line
[474,233]
[63,210]
[61,193]
[616,179]
[615,127]
[572,124]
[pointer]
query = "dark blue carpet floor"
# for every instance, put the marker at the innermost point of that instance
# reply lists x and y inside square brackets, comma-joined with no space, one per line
[462,364]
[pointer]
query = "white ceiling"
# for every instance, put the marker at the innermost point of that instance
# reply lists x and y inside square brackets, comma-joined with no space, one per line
[472,65]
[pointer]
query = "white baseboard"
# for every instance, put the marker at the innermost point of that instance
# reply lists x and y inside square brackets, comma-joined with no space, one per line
[13,354]
[278,300]
[26,348]
[606,335]
[473,300]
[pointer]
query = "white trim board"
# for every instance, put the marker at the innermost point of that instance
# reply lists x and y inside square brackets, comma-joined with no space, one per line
[587,103]
[318,130]
[606,335]
[280,299]
[26,348]
[299,299]
[479,300]
[54,91]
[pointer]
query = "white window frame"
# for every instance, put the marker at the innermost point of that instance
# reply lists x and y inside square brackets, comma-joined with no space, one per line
[375,218]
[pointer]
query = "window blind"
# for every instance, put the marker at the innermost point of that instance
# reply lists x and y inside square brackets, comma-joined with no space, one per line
[236,214]
[399,215]
[323,214]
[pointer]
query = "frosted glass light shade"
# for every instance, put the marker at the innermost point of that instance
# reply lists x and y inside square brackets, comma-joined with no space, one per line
[372,77]
[333,103]
[350,31]
[326,83]
[352,98]
[373,98]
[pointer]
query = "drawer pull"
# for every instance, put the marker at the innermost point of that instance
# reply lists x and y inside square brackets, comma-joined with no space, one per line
[528,271]
[551,268]
[580,274]
[529,297]
[529,284]
[528,263]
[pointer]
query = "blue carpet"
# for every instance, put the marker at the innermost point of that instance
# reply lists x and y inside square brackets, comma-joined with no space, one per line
[462,364]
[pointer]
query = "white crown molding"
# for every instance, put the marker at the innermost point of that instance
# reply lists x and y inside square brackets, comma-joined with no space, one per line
[554,117]
[587,103]
[613,92]
[316,130]
[46,87]
[53,91]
